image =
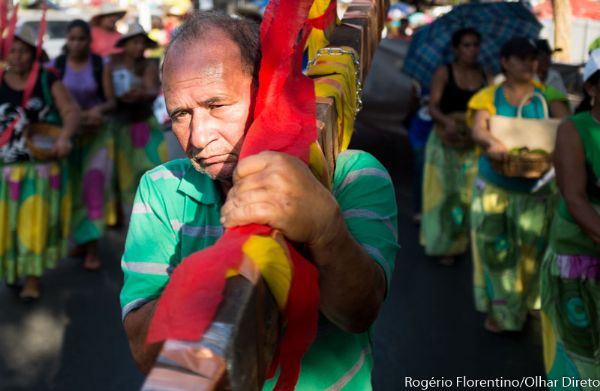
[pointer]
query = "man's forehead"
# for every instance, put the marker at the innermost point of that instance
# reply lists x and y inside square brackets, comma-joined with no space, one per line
[205,56]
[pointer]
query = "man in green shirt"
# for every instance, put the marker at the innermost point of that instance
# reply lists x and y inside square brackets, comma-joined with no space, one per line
[209,80]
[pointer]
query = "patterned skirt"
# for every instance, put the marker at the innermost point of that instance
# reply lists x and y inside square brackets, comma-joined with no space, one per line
[447,187]
[35,213]
[509,236]
[91,172]
[570,290]
[140,146]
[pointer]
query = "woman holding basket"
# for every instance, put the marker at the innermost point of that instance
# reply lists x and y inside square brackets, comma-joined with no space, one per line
[570,283]
[450,159]
[510,213]
[34,197]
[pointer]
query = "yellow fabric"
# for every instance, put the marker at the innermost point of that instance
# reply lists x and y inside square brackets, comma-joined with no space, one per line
[484,100]
[341,68]
[273,263]
[318,165]
[316,39]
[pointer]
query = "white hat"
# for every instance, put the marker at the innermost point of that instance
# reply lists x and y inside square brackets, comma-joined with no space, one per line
[134,30]
[26,35]
[106,9]
[592,65]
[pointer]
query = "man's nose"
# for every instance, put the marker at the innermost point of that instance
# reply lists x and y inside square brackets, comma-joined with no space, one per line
[202,128]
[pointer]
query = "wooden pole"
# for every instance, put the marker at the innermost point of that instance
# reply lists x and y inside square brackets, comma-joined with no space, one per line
[561,10]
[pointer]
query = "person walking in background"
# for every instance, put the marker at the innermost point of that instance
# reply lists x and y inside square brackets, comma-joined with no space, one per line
[34,195]
[104,30]
[450,158]
[91,161]
[570,275]
[139,138]
[510,216]
[545,73]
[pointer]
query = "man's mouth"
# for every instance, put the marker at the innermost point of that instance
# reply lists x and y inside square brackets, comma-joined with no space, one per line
[214,159]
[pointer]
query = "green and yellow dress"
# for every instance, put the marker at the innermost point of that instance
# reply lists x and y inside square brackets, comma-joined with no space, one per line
[570,280]
[510,222]
[35,201]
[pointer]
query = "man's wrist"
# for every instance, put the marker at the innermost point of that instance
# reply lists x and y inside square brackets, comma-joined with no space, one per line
[332,233]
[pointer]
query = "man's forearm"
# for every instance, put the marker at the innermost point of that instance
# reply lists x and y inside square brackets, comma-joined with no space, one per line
[352,284]
[136,326]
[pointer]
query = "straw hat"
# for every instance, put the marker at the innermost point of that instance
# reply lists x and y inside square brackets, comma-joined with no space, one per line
[26,35]
[177,11]
[107,9]
[134,30]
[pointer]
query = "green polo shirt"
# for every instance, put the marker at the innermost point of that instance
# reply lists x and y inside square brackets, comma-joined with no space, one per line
[176,213]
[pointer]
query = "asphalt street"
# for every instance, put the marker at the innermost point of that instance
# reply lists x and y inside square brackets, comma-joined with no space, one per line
[72,338]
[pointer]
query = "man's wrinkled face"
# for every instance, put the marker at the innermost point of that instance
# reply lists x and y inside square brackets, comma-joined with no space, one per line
[208,95]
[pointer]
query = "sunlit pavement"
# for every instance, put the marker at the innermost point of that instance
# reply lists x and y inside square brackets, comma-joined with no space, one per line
[72,338]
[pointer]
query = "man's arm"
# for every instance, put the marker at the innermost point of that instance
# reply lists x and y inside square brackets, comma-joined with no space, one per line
[280,191]
[150,244]
[352,285]
[136,326]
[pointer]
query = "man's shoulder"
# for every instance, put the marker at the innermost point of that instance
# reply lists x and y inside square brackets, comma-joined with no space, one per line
[354,159]
[169,172]
[352,165]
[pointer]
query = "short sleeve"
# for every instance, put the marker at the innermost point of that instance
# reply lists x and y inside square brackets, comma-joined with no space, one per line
[552,94]
[150,245]
[482,100]
[365,193]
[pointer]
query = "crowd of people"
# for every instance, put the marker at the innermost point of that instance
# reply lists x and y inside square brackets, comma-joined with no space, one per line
[78,133]
[534,238]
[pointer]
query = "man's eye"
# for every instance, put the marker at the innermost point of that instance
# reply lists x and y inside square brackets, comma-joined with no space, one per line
[178,115]
[216,106]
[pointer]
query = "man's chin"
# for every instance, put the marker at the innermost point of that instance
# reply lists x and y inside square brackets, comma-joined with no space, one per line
[218,172]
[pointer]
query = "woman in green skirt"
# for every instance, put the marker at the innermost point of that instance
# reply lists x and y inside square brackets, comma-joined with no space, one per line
[510,216]
[570,283]
[35,202]
[450,159]
[139,138]
[91,161]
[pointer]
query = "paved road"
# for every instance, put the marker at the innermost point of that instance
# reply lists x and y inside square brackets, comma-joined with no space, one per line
[72,339]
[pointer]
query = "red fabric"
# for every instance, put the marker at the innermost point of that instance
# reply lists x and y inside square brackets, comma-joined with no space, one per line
[103,42]
[12,25]
[302,316]
[285,121]
[3,21]
[328,17]
[190,300]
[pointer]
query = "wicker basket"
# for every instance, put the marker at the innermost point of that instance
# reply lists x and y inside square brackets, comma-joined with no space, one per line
[40,139]
[527,165]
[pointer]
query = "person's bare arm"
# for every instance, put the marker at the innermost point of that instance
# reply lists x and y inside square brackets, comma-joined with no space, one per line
[490,145]
[151,81]
[280,191]
[136,326]
[94,117]
[69,114]
[558,109]
[569,163]
[150,88]
[438,83]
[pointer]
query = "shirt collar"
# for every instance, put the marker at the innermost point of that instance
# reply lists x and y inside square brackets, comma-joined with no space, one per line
[199,186]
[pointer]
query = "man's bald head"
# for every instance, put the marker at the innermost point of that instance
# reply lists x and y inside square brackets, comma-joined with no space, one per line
[203,25]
